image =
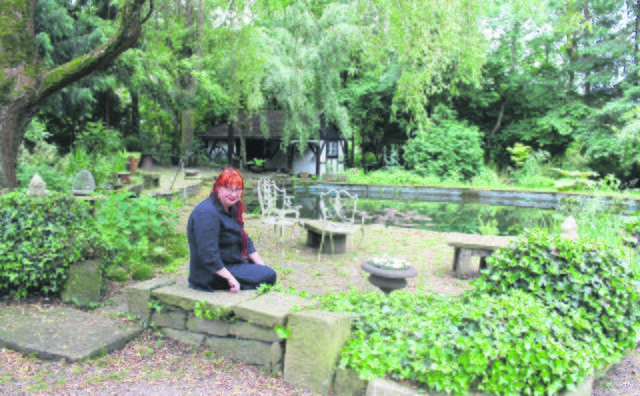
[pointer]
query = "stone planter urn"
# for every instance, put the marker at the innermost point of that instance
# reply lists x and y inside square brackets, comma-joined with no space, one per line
[388,274]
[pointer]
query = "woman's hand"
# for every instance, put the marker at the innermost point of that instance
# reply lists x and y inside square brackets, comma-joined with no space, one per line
[234,285]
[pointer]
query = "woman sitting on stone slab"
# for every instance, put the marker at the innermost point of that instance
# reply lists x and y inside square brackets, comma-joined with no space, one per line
[222,256]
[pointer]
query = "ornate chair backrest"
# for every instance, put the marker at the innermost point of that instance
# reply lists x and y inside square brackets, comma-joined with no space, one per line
[338,206]
[270,196]
[267,196]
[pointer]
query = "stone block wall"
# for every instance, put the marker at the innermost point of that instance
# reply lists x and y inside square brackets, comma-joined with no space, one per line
[244,328]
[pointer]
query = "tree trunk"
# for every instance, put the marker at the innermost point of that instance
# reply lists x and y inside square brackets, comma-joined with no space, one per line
[230,143]
[14,120]
[25,83]
[135,120]
[492,135]
[189,78]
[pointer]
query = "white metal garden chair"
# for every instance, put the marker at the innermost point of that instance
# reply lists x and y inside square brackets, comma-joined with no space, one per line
[276,206]
[340,219]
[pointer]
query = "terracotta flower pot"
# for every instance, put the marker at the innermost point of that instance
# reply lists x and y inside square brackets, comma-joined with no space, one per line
[133,164]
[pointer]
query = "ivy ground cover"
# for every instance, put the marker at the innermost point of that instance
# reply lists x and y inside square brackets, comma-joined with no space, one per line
[547,313]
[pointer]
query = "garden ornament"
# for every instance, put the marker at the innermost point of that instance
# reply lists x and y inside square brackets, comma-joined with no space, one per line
[569,228]
[83,183]
[37,186]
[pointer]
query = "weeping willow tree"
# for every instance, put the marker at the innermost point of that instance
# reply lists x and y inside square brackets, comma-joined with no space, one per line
[316,49]
[238,54]
[437,45]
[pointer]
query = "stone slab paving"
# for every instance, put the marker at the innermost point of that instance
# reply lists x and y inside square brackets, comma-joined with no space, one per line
[62,332]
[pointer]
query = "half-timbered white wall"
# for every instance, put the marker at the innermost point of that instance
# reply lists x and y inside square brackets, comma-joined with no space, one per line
[301,163]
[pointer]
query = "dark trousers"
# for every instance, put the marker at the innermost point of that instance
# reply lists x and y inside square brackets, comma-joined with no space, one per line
[250,276]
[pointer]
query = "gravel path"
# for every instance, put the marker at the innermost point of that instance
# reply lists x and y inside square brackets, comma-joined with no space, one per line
[621,379]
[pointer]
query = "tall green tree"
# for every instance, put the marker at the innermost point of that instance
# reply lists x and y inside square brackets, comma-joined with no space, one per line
[26,80]
[437,44]
[64,31]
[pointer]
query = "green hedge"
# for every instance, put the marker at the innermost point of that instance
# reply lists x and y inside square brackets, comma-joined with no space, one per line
[39,238]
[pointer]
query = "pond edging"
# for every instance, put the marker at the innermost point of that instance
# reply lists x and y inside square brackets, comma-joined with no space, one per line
[518,198]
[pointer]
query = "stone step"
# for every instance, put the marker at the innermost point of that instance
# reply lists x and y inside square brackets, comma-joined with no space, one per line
[62,333]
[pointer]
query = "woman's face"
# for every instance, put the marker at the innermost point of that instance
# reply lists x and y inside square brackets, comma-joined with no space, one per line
[229,195]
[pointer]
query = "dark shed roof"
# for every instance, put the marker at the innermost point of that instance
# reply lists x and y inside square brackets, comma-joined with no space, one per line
[275,121]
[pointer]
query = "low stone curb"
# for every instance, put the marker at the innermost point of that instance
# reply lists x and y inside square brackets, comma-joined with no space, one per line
[347,382]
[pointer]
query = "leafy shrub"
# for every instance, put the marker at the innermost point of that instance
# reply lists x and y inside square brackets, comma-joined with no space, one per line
[141,271]
[102,167]
[631,229]
[393,176]
[533,171]
[54,177]
[447,148]
[507,344]
[488,178]
[575,180]
[571,277]
[39,238]
[133,228]
[97,139]
[38,156]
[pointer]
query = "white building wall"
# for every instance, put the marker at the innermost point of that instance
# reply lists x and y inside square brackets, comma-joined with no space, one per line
[279,161]
[301,163]
[304,163]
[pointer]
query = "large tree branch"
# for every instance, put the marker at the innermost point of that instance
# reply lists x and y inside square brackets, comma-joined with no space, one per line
[131,20]
[23,85]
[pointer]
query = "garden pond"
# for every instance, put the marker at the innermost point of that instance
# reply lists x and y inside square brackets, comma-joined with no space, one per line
[449,209]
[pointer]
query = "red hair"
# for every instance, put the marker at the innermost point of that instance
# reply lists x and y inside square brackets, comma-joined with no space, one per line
[232,178]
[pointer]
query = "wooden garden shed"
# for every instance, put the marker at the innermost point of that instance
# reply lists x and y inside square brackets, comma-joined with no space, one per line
[324,154]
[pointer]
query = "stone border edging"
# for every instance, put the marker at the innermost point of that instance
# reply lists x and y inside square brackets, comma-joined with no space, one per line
[515,198]
[191,190]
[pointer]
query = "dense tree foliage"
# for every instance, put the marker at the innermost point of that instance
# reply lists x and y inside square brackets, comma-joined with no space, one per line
[447,147]
[558,77]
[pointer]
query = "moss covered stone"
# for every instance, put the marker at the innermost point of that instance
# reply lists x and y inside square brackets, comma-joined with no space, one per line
[84,283]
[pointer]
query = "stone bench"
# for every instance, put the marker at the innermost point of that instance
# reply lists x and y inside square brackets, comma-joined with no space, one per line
[468,245]
[335,235]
